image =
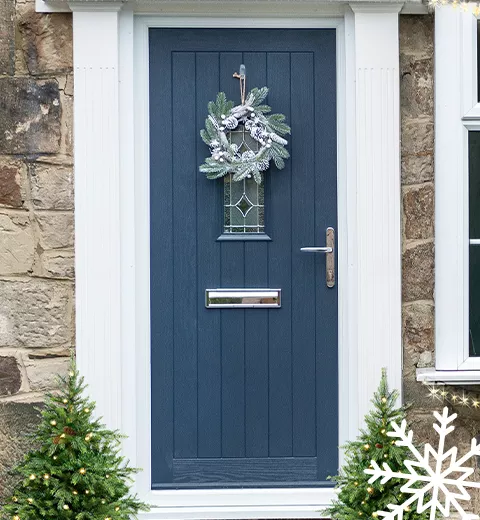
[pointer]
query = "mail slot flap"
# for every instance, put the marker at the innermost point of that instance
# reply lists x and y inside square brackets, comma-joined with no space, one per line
[242,298]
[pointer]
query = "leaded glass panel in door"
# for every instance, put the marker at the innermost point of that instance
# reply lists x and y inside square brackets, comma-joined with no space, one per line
[244,206]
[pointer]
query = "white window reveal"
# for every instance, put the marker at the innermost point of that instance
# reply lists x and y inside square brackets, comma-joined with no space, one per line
[457,205]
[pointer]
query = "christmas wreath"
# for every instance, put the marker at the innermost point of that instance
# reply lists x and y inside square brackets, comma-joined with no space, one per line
[266,130]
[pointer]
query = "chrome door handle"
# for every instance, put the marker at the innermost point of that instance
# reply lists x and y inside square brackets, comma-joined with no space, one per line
[316,249]
[329,251]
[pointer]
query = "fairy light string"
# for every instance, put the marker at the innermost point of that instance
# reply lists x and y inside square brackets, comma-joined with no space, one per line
[461,397]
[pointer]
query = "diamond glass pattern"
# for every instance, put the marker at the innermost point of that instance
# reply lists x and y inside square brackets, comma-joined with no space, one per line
[244,200]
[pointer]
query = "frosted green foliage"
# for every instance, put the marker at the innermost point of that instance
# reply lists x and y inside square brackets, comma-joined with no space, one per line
[265,128]
[357,499]
[76,472]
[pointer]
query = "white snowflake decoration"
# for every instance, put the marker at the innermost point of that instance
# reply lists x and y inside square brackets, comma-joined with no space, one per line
[434,480]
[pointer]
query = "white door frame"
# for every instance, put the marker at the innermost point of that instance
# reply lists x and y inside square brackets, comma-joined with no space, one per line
[112,225]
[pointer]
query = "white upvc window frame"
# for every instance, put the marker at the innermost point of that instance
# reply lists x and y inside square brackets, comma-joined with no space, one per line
[457,112]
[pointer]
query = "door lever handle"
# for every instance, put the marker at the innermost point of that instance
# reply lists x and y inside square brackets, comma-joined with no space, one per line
[329,251]
[316,249]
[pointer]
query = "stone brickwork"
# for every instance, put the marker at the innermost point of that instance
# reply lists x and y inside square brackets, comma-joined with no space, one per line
[418,205]
[36,215]
[417,135]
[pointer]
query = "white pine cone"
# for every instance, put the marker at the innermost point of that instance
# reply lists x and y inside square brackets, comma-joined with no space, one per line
[256,132]
[248,155]
[231,122]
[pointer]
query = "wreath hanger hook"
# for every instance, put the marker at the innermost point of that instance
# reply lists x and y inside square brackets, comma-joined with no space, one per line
[242,78]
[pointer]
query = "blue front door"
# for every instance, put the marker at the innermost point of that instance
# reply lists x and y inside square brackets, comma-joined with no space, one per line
[242,397]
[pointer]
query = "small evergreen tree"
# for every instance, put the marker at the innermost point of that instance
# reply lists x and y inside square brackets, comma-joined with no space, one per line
[356,497]
[76,472]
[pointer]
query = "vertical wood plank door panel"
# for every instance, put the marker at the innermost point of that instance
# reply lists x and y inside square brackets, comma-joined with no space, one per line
[242,397]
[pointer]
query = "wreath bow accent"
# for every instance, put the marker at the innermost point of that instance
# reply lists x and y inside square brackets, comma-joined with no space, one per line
[267,130]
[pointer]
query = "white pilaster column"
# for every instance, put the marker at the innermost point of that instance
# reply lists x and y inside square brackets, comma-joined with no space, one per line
[454,68]
[97,204]
[378,223]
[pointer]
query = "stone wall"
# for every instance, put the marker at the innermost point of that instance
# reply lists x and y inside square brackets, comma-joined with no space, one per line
[36,215]
[417,143]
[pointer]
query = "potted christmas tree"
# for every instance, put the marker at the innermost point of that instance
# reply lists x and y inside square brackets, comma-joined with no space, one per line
[75,471]
[357,498]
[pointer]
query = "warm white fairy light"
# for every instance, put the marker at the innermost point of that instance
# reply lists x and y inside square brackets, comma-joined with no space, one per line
[435,393]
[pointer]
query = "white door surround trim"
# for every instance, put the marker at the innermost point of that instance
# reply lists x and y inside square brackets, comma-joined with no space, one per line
[112,220]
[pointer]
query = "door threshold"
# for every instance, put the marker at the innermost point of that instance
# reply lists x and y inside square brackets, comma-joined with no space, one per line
[231,513]
[241,504]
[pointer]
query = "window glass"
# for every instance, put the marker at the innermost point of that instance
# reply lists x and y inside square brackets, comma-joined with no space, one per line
[474,233]
[244,210]
[474,333]
[244,206]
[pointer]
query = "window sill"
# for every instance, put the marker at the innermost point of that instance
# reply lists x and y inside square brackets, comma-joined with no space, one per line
[451,377]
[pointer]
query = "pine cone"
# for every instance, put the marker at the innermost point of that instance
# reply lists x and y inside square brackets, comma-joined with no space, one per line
[69,431]
[248,155]
[256,132]
[379,446]
[56,440]
[231,122]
